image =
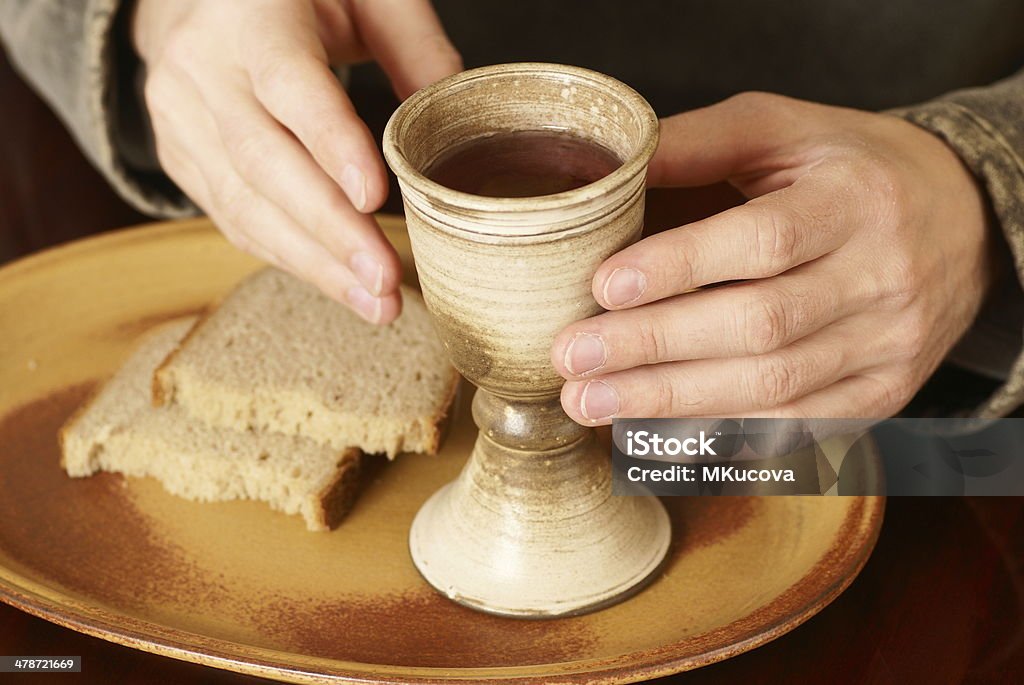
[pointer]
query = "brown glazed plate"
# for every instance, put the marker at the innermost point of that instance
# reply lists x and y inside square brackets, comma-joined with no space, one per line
[237,586]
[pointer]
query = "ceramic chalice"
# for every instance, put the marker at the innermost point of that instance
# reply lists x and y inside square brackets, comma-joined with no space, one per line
[530,527]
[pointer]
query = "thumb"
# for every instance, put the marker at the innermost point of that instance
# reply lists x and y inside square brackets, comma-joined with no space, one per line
[749,133]
[407,40]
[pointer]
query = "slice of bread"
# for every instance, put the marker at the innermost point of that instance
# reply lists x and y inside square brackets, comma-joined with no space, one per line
[119,430]
[277,355]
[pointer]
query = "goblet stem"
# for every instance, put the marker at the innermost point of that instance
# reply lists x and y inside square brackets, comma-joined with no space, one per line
[530,527]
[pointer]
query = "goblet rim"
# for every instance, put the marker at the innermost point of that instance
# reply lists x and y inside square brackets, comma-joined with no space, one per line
[409,175]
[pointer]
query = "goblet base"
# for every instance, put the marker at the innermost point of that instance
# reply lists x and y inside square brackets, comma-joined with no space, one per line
[538,534]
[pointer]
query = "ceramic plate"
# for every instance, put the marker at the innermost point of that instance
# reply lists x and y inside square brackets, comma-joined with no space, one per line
[237,586]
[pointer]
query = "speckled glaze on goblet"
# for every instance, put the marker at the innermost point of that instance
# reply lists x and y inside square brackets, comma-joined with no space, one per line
[530,527]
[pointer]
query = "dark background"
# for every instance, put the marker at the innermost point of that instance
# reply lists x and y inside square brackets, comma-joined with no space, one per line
[940,601]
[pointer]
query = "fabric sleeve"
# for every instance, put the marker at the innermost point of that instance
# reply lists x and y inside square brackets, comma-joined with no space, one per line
[985,127]
[77,56]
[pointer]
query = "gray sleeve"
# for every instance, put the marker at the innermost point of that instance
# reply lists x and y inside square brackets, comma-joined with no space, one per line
[76,55]
[985,127]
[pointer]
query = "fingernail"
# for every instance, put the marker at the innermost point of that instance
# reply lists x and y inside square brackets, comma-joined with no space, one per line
[586,353]
[624,286]
[365,304]
[369,271]
[353,182]
[598,401]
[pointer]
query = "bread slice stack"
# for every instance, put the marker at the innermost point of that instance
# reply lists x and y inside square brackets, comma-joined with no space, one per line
[273,396]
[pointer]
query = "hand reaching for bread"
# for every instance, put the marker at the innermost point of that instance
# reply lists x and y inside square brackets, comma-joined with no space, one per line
[252,124]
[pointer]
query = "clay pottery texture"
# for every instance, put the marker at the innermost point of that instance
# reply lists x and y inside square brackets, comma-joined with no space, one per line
[530,527]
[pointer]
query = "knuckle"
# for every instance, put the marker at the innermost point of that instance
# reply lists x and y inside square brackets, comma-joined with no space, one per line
[684,268]
[903,282]
[756,100]
[246,148]
[170,161]
[239,239]
[158,91]
[227,198]
[774,382]
[893,393]
[777,108]
[666,396]
[270,72]
[654,342]
[881,177]
[275,74]
[764,324]
[252,153]
[882,180]
[678,394]
[914,334]
[775,241]
[270,76]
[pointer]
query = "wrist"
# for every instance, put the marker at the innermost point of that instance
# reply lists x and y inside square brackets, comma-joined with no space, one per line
[979,221]
[959,184]
[962,202]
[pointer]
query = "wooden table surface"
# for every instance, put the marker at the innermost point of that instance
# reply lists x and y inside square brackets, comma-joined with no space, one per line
[940,601]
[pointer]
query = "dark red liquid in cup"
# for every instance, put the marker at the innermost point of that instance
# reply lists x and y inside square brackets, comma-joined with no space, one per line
[523,164]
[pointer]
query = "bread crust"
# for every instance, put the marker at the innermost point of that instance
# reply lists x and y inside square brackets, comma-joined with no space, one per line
[163,389]
[442,419]
[338,496]
[76,416]
[323,509]
[162,392]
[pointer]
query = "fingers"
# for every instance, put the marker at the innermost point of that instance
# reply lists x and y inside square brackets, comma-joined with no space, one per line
[408,41]
[737,320]
[198,162]
[278,168]
[268,231]
[747,133]
[289,74]
[253,125]
[725,387]
[762,238]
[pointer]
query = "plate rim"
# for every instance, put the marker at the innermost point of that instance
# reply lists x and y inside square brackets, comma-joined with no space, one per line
[848,553]
[42,601]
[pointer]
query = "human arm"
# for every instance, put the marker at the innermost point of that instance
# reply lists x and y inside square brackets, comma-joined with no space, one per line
[248,119]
